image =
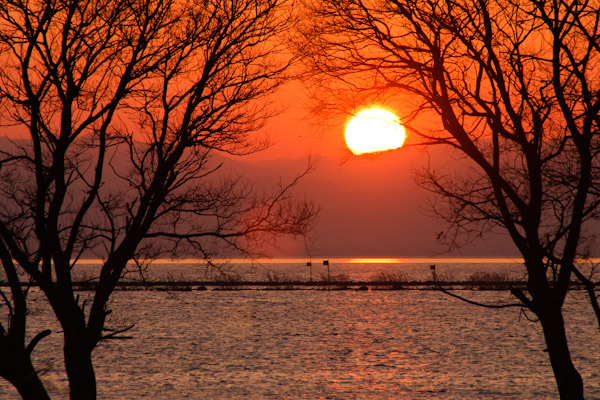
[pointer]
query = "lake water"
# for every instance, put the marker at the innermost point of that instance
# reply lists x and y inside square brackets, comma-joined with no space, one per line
[317,344]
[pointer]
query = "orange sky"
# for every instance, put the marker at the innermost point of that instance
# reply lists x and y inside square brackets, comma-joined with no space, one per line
[299,132]
[371,206]
[294,131]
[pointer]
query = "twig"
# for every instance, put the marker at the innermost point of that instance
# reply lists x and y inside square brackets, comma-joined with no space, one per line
[476,302]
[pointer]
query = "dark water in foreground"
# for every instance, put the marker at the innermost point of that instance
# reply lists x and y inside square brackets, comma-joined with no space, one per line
[313,344]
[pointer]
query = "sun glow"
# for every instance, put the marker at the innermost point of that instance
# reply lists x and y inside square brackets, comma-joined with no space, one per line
[374,130]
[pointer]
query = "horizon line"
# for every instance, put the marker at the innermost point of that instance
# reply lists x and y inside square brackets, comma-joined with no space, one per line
[345,260]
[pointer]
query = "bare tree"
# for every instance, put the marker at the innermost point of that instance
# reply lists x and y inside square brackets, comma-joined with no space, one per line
[513,88]
[124,104]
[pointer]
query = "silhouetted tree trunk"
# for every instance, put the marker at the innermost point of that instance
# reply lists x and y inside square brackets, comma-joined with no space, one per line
[570,384]
[16,367]
[510,88]
[79,367]
[15,355]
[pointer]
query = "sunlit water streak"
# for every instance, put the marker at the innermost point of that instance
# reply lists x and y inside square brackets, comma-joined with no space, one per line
[315,344]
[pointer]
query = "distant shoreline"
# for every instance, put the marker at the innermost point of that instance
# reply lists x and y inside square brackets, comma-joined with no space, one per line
[304,285]
[340,260]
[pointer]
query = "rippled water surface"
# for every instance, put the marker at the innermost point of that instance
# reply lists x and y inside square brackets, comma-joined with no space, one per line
[315,344]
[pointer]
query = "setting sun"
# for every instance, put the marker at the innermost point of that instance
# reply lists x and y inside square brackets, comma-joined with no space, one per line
[374,130]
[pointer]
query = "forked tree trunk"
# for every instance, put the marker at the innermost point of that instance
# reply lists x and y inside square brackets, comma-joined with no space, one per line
[570,384]
[16,367]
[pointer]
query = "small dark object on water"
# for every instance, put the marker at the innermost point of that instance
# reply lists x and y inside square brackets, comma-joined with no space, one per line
[363,287]
[201,288]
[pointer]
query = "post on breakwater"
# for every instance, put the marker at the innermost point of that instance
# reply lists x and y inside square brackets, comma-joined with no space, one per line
[432,268]
[309,265]
[326,262]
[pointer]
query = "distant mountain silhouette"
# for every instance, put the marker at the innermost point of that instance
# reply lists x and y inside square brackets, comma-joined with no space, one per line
[371,206]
